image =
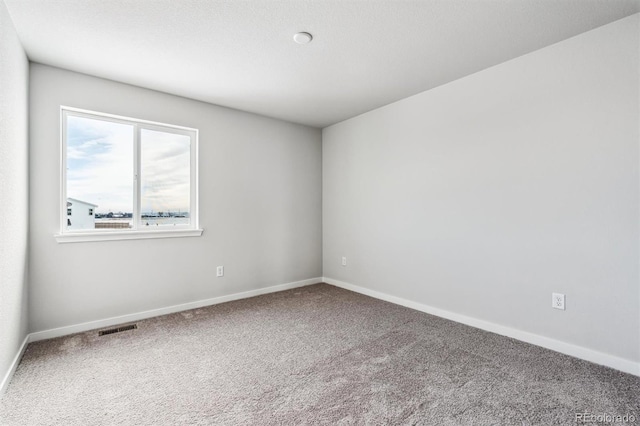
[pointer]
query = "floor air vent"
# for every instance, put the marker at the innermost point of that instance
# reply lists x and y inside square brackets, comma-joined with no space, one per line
[117,329]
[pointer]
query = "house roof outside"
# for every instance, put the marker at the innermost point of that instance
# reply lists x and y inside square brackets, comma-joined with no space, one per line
[80,201]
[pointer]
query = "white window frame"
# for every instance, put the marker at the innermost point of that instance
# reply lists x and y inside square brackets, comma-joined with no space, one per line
[137,231]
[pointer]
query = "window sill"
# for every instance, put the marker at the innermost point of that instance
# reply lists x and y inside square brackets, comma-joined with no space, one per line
[125,235]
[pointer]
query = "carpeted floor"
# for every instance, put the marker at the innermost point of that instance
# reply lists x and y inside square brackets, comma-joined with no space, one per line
[313,355]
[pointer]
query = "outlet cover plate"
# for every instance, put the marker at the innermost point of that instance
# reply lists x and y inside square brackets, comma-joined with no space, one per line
[557,301]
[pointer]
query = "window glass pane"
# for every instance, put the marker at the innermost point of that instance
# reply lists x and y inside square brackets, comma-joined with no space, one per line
[165,179]
[99,174]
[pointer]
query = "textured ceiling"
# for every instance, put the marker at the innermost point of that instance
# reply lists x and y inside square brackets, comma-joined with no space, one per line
[240,54]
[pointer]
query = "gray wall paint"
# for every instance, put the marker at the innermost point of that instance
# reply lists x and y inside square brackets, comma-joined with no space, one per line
[260,207]
[484,196]
[14,187]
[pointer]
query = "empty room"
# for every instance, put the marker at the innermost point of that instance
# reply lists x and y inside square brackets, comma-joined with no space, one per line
[297,212]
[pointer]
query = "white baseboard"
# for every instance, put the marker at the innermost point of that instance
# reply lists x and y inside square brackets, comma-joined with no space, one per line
[581,352]
[12,369]
[617,363]
[107,322]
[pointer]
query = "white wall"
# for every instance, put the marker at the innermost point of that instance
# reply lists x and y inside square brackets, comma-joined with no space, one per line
[484,196]
[14,186]
[260,207]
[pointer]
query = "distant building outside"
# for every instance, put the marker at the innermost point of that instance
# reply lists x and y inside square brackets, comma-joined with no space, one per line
[80,214]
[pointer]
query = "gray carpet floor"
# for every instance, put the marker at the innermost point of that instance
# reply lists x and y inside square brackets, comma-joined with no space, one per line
[313,355]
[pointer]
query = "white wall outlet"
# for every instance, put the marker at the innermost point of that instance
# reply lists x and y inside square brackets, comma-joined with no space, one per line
[220,271]
[344,261]
[557,300]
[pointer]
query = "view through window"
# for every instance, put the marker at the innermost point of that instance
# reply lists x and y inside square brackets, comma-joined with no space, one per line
[124,174]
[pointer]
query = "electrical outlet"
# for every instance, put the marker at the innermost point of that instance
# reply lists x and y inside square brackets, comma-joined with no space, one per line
[220,271]
[557,301]
[344,261]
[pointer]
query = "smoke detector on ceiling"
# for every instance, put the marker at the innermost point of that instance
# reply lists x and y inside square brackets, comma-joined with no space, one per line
[302,38]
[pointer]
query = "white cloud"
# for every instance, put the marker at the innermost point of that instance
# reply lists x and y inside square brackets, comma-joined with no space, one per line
[165,171]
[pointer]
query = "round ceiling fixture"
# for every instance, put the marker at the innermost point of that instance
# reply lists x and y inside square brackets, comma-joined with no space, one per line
[302,38]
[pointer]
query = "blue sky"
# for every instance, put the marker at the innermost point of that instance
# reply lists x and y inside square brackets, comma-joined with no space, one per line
[100,166]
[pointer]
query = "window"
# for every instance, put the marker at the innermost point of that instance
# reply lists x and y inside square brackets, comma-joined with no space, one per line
[137,179]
